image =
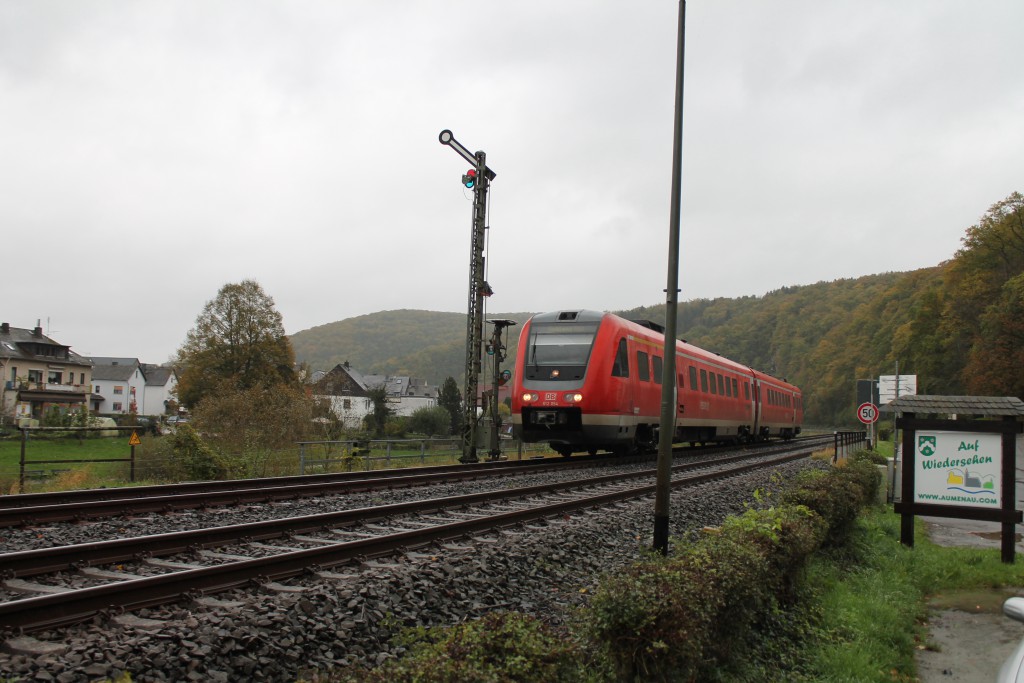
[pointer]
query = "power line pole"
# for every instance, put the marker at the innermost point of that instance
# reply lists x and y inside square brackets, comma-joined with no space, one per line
[666,432]
[478,179]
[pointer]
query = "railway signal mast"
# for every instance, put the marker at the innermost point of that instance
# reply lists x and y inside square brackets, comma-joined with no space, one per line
[478,179]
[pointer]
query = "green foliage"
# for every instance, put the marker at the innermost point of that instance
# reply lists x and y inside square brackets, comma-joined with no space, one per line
[450,398]
[377,420]
[238,340]
[185,456]
[683,618]
[246,426]
[430,420]
[837,495]
[498,648]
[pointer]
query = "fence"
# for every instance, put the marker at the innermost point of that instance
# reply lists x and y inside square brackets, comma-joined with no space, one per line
[323,456]
[25,431]
[846,443]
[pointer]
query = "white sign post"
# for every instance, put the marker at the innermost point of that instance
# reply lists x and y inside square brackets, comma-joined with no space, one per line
[891,387]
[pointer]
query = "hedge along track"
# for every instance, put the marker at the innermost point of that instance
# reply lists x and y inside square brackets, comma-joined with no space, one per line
[353,535]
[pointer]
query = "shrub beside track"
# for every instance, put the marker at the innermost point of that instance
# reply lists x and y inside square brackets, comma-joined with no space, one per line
[681,618]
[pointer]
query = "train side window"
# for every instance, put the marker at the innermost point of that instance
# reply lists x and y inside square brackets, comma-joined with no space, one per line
[621,366]
[735,388]
[746,390]
[714,386]
[658,368]
[681,384]
[643,368]
[693,378]
[721,385]
[728,387]
[704,381]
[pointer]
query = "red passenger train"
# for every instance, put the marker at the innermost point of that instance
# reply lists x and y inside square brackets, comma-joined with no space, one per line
[586,380]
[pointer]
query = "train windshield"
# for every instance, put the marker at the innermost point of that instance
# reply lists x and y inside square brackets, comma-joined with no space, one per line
[560,344]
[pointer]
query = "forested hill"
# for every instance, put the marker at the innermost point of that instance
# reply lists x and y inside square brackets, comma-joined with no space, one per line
[958,326]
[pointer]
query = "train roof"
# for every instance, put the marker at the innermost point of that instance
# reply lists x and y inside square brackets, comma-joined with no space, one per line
[584,315]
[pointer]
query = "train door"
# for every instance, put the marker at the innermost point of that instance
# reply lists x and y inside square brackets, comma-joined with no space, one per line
[758,416]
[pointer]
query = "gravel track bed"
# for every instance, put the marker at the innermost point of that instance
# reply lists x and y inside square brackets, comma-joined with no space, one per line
[267,634]
[69,533]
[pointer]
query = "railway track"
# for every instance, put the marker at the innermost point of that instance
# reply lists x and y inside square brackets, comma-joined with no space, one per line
[127,574]
[44,508]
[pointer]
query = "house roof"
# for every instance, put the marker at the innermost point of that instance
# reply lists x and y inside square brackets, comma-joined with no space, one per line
[112,372]
[157,375]
[989,406]
[24,344]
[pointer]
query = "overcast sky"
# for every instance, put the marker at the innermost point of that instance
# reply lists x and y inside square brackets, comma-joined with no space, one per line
[153,151]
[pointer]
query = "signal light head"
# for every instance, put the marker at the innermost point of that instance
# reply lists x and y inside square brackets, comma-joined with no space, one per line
[469,179]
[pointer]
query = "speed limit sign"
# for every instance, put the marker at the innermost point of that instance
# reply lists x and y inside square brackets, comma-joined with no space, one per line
[867,413]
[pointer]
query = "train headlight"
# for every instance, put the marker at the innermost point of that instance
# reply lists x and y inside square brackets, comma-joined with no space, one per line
[529,397]
[572,398]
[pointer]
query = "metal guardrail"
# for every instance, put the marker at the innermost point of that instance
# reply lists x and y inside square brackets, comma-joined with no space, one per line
[847,443]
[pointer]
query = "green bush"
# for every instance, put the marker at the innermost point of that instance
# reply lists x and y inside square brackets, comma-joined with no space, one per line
[499,647]
[837,494]
[186,456]
[676,619]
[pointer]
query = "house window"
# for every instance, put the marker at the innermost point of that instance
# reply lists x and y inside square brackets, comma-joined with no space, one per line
[346,404]
[96,388]
[118,390]
[35,376]
[117,407]
[81,378]
[54,377]
[14,374]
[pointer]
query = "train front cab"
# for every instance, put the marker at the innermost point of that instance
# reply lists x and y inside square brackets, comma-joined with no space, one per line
[573,388]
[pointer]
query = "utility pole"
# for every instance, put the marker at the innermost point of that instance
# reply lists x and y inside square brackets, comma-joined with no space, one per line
[666,432]
[478,179]
[496,349]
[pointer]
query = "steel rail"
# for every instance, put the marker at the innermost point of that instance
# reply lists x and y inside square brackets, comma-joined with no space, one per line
[126,492]
[90,509]
[47,611]
[60,558]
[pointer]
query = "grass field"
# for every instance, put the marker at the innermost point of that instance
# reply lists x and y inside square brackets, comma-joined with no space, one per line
[40,474]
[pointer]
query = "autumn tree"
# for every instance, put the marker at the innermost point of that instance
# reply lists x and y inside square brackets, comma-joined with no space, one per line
[238,342]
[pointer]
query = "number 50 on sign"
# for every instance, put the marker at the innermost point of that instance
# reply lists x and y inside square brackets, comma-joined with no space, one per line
[867,413]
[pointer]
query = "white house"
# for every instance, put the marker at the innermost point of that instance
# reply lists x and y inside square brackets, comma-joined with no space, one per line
[118,386]
[161,387]
[346,388]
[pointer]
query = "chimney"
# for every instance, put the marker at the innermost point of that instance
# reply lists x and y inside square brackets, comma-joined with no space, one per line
[5,328]
[37,332]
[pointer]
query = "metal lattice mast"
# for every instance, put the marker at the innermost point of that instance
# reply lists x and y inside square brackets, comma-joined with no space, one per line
[478,178]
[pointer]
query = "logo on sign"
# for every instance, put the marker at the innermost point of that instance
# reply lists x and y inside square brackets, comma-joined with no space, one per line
[926,445]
